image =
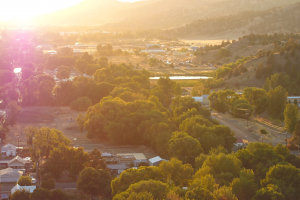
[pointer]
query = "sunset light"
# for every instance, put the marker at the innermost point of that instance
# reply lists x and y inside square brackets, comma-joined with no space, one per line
[24,9]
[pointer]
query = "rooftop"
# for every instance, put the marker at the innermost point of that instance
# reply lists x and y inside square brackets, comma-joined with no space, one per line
[117,166]
[156,159]
[136,156]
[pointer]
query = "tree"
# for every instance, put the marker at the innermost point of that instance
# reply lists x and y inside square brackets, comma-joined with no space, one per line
[59,195]
[24,181]
[45,89]
[40,193]
[63,74]
[159,190]
[271,192]
[13,112]
[81,104]
[296,134]
[90,181]
[141,196]
[224,193]
[96,160]
[184,147]
[80,65]
[277,101]
[244,187]
[286,177]
[291,117]
[48,182]
[176,172]
[20,195]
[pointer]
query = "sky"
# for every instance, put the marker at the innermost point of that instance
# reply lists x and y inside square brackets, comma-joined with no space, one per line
[24,9]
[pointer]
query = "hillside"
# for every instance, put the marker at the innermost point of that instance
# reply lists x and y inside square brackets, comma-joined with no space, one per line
[282,19]
[152,13]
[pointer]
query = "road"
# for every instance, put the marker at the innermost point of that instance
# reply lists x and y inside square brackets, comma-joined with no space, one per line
[237,131]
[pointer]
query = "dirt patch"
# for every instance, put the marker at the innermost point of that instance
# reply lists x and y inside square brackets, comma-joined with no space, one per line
[64,119]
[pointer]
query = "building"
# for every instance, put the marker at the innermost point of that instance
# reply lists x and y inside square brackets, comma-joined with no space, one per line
[18,187]
[4,196]
[133,159]
[117,169]
[202,99]
[155,161]
[10,175]
[293,99]
[154,51]
[239,142]
[17,163]
[8,150]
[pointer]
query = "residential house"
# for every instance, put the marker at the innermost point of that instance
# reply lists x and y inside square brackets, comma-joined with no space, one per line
[17,163]
[18,187]
[10,175]
[132,159]
[117,169]
[155,161]
[239,142]
[8,150]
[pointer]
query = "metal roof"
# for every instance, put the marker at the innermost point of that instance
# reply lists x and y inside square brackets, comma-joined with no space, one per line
[156,159]
[117,166]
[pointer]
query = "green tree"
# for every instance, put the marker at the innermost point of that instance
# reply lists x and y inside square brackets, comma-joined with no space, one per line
[13,112]
[176,172]
[81,104]
[20,195]
[58,194]
[24,181]
[286,177]
[271,192]
[277,101]
[96,160]
[296,134]
[184,147]
[291,117]
[40,193]
[224,193]
[92,182]
[244,187]
[47,182]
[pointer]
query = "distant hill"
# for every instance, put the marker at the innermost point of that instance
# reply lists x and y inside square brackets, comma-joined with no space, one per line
[282,19]
[152,13]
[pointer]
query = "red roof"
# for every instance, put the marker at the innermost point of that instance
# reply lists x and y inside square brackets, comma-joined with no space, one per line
[239,140]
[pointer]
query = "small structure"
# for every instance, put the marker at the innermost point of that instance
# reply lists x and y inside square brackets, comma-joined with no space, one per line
[117,169]
[10,175]
[8,150]
[27,188]
[239,142]
[156,161]
[202,99]
[132,158]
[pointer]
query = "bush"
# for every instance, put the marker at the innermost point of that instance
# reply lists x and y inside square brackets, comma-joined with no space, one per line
[24,181]
[263,131]
[81,104]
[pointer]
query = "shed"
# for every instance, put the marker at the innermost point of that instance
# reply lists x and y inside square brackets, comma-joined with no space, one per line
[155,161]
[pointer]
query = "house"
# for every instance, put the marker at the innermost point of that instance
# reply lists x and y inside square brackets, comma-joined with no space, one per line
[8,150]
[132,158]
[202,99]
[18,187]
[10,175]
[294,99]
[239,142]
[4,196]
[117,169]
[156,161]
[17,163]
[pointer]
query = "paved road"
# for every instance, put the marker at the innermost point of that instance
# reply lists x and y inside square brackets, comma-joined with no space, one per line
[237,131]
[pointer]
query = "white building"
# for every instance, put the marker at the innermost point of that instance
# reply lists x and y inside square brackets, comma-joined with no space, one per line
[27,188]
[8,150]
[156,161]
[293,98]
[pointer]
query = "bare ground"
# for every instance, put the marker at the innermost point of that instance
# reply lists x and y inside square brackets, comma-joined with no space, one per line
[64,119]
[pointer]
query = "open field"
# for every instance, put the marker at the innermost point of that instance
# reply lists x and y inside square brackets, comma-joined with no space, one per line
[64,119]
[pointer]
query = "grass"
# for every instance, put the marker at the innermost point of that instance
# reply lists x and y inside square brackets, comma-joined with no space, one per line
[187,83]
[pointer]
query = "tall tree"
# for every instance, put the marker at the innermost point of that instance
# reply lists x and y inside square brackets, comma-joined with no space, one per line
[291,117]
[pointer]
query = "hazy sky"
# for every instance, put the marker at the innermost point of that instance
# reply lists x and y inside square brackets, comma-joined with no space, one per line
[24,9]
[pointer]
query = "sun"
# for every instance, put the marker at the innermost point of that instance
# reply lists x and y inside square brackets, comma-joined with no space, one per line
[25,9]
